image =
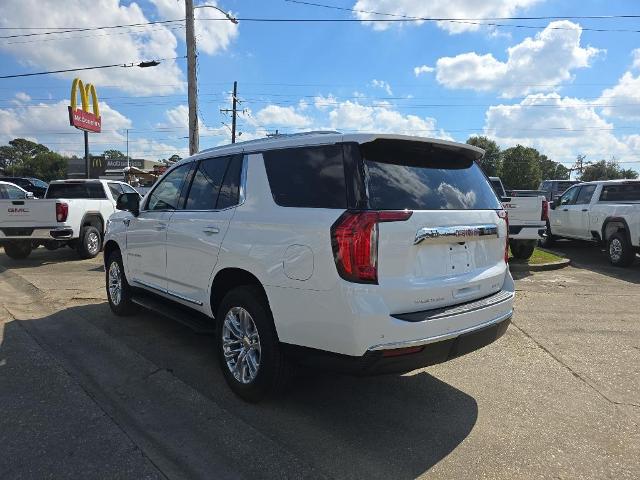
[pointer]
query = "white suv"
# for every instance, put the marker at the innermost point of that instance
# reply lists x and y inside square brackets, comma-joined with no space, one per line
[361,253]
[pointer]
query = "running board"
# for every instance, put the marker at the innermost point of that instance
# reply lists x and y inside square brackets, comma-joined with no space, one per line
[196,321]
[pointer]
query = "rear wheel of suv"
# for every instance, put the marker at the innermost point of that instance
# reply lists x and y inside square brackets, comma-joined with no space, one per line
[620,250]
[18,250]
[90,242]
[118,289]
[248,347]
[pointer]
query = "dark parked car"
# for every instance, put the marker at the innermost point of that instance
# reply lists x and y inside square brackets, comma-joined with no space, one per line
[33,185]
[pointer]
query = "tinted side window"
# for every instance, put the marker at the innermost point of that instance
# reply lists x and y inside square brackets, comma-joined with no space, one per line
[230,191]
[629,192]
[166,195]
[116,190]
[569,196]
[205,186]
[128,189]
[3,193]
[307,177]
[14,193]
[585,194]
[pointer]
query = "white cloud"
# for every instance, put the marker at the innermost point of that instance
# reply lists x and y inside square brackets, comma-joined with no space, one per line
[102,47]
[383,85]
[322,102]
[354,116]
[536,64]
[22,97]
[560,127]
[440,9]
[422,70]
[636,58]
[274,115]
[623,100]
[211,36]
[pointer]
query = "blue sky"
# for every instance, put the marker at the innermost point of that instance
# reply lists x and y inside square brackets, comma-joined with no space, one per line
[556,86]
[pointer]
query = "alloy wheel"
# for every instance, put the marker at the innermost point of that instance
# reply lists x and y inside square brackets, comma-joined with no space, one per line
[241,345]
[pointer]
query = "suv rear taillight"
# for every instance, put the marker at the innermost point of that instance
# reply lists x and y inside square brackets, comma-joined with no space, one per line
[354,239]
[62,211]
[545,210]
[503,214]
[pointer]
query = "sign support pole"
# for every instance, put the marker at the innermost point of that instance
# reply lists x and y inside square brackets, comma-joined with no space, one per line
[86,153]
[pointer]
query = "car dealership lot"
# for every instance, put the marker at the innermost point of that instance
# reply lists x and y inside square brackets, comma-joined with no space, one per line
[84,393]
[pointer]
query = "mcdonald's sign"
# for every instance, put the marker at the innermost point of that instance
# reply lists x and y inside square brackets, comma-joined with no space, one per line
[82,118]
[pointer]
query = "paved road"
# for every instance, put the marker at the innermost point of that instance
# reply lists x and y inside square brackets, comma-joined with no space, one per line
[84,394]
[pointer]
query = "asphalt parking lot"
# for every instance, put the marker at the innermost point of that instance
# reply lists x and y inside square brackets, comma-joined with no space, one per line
[85,394]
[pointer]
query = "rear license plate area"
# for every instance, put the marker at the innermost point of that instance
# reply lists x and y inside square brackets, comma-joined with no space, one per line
[459,259]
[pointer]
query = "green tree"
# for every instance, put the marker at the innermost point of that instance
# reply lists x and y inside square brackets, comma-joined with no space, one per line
[492,159]
[521,168]
[606,170]
[29,159]
[19,150]
[550,170]
[114,155]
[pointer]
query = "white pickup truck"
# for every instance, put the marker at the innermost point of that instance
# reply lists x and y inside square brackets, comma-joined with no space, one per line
[607,212]
[72,213]
[527,219]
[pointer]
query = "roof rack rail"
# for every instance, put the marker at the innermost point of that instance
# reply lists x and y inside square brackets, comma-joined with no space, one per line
[277,136]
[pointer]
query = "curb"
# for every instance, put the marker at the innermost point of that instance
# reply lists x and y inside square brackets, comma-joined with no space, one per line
[540,267]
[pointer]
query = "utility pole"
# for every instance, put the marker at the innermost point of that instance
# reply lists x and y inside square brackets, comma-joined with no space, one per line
[86,153]
[128,164]
[192,87]
[233,111]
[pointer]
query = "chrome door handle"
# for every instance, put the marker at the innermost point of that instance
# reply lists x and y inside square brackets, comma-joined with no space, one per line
[211,230]
[585,209]
[160,227]
[565,209]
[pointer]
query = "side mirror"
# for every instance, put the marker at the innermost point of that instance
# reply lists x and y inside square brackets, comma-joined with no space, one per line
[129,202]
[552,205]
[29,195]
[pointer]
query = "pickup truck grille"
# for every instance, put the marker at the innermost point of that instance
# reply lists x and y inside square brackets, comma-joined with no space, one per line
[17,231]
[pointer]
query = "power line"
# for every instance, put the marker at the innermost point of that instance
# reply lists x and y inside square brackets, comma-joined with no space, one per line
[142,64]
[58,30]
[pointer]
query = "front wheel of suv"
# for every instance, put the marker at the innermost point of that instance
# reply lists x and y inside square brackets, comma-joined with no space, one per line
[250,354]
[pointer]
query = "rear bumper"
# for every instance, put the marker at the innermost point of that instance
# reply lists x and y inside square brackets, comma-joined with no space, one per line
[377,362]
[527,232]
[36,233]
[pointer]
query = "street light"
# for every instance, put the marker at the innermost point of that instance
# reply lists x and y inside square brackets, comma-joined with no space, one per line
[192,85]
[226,14]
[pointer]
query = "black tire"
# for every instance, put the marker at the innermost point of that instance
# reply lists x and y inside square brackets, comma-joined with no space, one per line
[273,371]
[18,250]
[122,306]
[620,250]
[89,243]
[522,249]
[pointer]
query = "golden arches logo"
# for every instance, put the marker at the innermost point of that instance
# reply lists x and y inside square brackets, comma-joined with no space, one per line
[82,118]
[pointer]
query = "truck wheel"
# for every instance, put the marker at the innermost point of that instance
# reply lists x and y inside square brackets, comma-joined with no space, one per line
[18,250]
[522,249]
[621,253]
[118,289]
[250,355]
[90,242]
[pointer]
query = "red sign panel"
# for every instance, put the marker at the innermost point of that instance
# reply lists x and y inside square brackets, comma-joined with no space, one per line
[84,120]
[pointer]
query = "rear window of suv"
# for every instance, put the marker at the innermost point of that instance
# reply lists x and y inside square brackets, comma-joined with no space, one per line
[421,176]
[311,177]
[76,190]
